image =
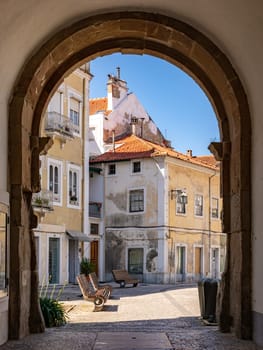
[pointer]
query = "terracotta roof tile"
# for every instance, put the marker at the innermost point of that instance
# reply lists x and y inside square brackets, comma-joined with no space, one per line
[209,160]
[132,147]
[98,104]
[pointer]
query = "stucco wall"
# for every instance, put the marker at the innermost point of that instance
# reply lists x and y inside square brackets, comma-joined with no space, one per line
[236,27]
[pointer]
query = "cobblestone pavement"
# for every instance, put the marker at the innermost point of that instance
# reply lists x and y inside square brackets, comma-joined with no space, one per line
[156,317]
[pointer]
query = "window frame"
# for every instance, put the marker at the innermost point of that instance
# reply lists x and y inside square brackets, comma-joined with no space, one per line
[181,203]
[137,189]
[74,169]
[97,225]
[132,167]
[109,165]
[182,273]
[128,260]
[72,95]
[196,214]
[57,236]
[59,195]
[212,208]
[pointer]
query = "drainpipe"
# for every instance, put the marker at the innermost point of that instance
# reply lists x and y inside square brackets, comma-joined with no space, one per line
[113,140]
[85,168]
[209,222]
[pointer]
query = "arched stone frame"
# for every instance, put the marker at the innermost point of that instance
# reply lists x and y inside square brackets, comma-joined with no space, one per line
[140,33]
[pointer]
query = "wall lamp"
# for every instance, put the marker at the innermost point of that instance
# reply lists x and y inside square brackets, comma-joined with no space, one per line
[180,195]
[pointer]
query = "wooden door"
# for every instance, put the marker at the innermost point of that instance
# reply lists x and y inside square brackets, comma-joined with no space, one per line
[198,261]
[94,253]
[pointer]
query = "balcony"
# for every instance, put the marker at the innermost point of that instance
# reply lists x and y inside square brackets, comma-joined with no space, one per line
[95,209]
[59,125]
[42,202]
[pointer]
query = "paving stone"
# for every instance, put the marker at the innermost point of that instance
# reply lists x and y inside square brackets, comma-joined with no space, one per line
[132,340]
[155,317]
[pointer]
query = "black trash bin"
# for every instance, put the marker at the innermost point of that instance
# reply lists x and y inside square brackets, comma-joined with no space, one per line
[207,291]
[201,294]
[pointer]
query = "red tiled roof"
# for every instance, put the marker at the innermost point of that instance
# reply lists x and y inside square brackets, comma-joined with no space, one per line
[132,147]
[98,104]
[209,160]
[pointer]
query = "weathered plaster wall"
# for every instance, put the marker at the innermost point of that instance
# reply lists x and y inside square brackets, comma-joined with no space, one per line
[116,194]
[120,120]
[125,230]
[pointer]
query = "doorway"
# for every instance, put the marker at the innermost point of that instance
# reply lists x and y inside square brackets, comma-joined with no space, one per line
[197,263]
[180,263]
[73,260]
[189,49]
[53,260]
[94,255]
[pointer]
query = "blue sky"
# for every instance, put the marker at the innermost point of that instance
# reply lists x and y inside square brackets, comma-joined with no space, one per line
[174,101]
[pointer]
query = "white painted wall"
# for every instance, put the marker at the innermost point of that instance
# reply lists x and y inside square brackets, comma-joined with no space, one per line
[132,106]
[96,122]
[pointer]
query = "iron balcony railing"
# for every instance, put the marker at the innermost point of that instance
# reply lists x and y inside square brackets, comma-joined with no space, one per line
[58,123]
[95,209]
[43,200]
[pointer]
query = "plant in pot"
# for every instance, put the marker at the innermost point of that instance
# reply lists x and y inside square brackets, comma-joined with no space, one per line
[86,266]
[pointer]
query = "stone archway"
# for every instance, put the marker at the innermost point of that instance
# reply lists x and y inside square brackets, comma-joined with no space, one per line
[141,33]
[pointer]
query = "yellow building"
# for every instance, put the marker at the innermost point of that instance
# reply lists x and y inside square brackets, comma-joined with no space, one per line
[61,205]
[162,212]
[196,242]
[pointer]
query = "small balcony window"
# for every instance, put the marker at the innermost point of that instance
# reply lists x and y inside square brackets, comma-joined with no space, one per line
[59,125]
[95,209]
[43,200]
[112,169]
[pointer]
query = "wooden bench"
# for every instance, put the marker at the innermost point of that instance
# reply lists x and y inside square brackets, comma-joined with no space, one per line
[122,277]
[98,297]
[95,283]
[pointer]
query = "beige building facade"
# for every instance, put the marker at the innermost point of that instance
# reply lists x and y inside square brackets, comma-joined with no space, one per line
[196,240]
[61,234]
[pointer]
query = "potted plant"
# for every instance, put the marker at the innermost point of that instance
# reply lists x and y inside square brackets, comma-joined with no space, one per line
[86,266]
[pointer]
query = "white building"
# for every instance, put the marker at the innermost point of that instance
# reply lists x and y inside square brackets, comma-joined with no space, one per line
[145,232]
[118,115]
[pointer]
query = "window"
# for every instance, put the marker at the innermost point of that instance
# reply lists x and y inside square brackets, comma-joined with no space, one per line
[135,260]
[56,103]
[55,175]
[74,185]
[136,200]
[94,229]
[3,250]
[74,113]
[181,201]
[215,208]
[198,205]
[111,169]
[136,167]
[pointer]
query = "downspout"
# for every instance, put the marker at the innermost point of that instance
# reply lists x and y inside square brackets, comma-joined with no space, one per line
[209,222]
[85,168]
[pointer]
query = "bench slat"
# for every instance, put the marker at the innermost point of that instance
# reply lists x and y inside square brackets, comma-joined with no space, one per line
[122,277]
[95,283]
[98,297]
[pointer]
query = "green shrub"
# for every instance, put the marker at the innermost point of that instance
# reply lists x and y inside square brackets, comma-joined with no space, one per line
[53,312]
[86,266]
